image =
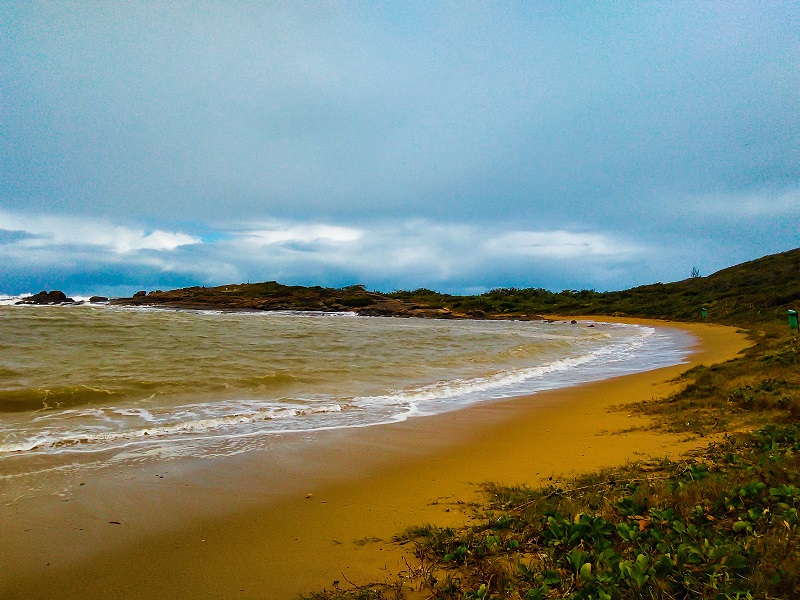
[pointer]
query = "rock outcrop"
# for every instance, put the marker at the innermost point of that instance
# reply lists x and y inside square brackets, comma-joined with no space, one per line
[45,297]
[272,296]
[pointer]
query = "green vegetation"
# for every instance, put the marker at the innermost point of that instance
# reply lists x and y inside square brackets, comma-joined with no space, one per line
[355,301]
[719,524]
[758,291]
[763,386]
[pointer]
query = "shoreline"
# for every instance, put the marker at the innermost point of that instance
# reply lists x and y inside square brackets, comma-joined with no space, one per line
[243,526]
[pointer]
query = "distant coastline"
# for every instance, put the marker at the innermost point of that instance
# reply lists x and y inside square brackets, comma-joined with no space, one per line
[730,296]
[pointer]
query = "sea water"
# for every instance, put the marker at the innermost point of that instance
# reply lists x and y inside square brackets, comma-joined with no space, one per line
[95,384]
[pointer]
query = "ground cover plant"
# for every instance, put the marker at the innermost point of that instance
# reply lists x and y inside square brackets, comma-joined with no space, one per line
[721,523]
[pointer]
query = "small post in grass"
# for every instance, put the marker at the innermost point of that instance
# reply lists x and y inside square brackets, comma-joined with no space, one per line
[793,319]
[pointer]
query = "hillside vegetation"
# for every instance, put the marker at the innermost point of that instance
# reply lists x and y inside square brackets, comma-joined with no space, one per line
[757,291]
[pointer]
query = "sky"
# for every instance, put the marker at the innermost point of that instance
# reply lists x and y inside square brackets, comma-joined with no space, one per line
[457,146]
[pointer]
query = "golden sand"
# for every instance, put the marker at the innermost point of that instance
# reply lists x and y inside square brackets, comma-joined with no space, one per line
[322,507]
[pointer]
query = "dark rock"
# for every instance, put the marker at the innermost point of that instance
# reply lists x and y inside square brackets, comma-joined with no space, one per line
[95,299]
[140,294]
[574,322]
[45,297]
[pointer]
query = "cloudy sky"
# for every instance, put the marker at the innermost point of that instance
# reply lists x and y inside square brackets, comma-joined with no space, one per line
[457,146]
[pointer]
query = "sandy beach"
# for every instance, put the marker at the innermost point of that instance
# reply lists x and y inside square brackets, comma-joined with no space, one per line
[323,506]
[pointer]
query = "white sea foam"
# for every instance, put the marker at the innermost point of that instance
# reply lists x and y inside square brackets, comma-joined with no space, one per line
[6,300]
[85,441]
[11,300]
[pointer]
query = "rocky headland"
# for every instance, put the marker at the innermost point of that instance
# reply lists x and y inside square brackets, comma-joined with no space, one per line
[273,296]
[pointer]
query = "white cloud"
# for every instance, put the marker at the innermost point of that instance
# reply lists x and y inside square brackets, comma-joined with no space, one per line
[128,240]
[47,231]
[559,244]
[753,205]
[415,251]
[273,234]
[412,243]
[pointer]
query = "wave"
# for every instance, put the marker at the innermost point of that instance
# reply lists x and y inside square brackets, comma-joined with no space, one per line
[54,398]
[35,399]
[505,383]
[83,441]
[7,300]
[11,300]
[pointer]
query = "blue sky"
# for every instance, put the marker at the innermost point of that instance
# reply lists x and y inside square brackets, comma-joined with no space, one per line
[457,146]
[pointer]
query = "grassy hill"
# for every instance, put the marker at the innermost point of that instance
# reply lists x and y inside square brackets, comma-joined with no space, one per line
[758,291]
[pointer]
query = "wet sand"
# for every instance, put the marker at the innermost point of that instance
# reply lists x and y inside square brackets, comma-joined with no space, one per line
[314,508]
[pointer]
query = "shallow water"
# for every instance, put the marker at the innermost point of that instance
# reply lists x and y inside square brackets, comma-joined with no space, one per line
[100,384]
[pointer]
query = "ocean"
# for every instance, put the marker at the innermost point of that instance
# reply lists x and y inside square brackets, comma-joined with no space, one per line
[98,385]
